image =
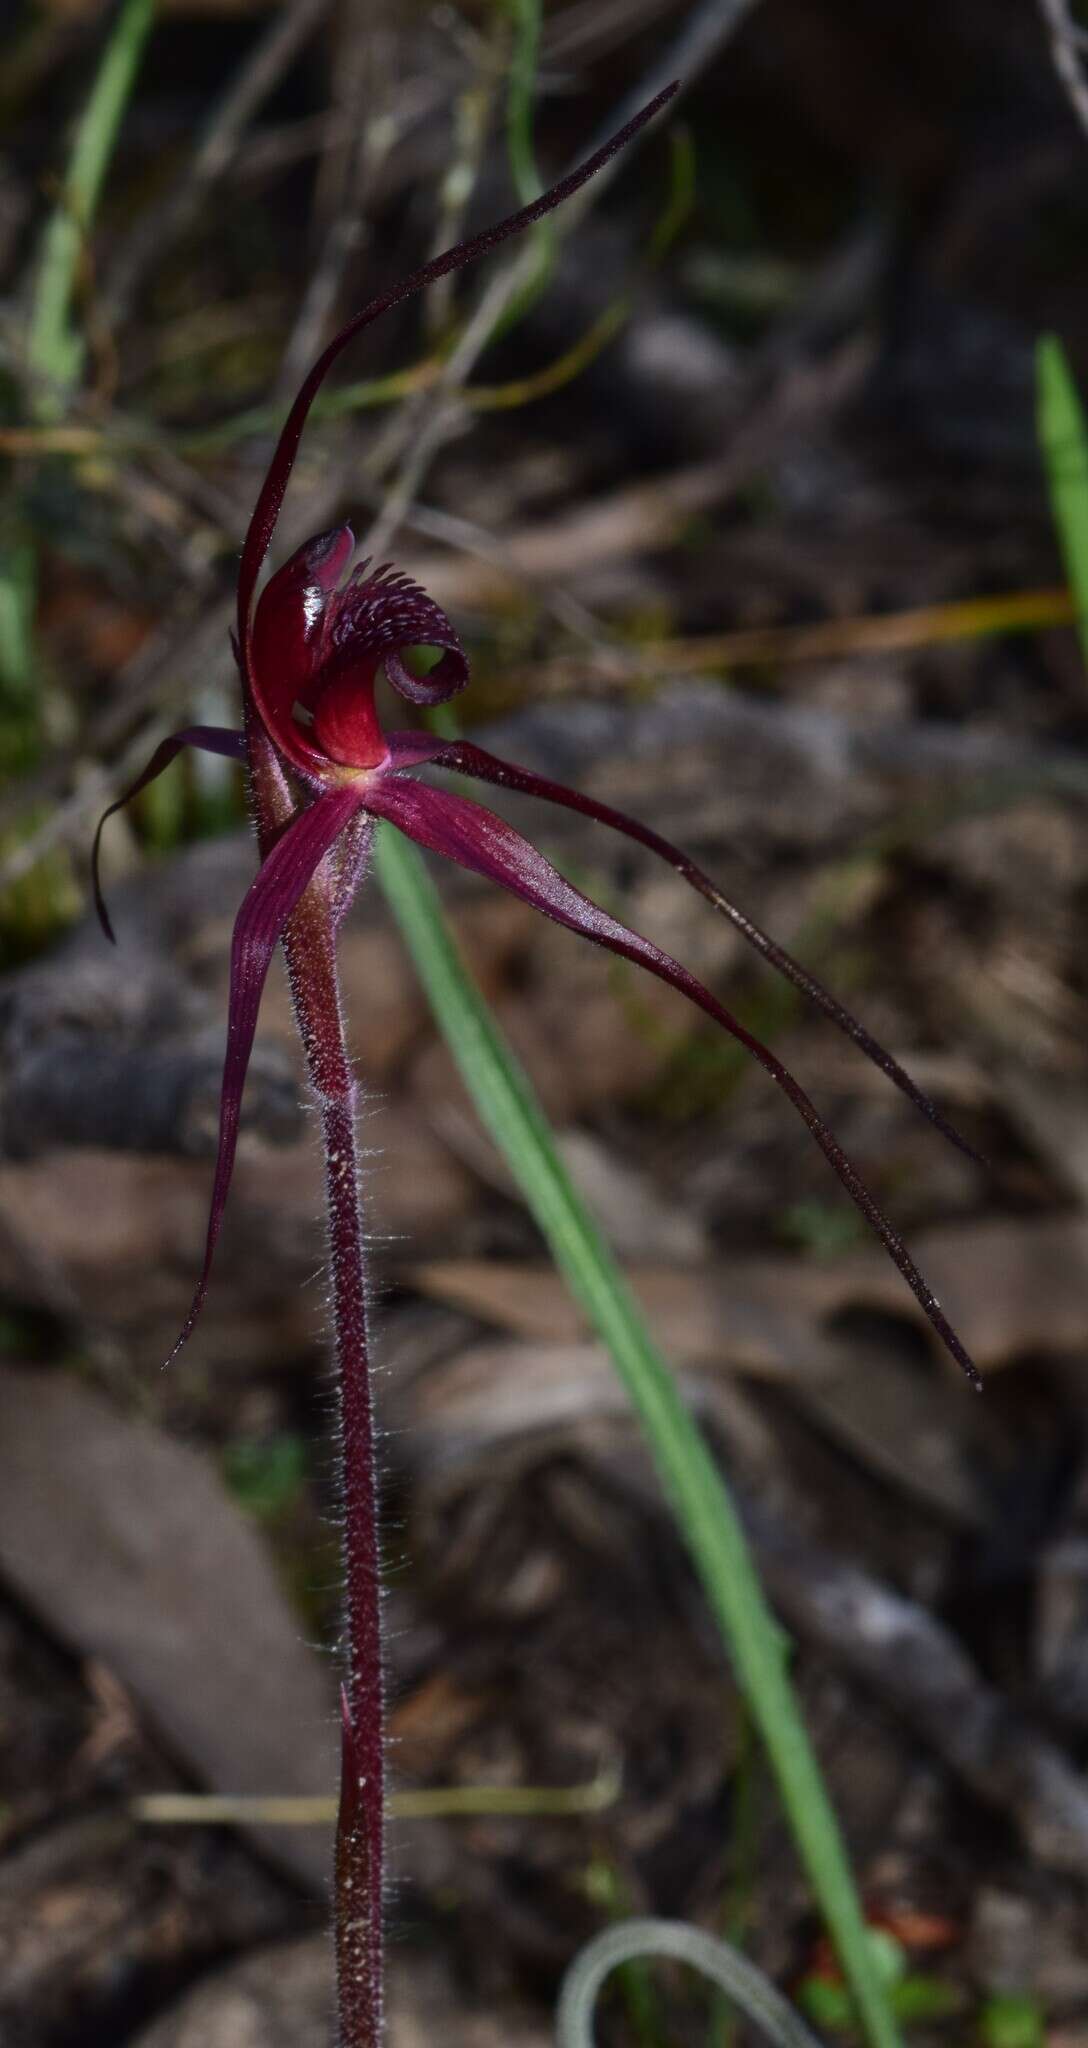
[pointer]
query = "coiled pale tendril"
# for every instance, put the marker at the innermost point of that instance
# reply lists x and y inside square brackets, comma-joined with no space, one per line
[750,1991]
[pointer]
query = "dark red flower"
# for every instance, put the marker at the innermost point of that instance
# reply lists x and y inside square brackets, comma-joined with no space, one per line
[320,634]
[321,771]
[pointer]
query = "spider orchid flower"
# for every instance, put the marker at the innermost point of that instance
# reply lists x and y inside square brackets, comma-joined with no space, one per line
[321,770]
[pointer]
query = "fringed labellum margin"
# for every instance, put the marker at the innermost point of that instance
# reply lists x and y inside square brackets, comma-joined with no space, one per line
[321,771]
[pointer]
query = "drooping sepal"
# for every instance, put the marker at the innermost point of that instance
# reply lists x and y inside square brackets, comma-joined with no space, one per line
[408,749]
[272,897]
[210,739]
[485,844]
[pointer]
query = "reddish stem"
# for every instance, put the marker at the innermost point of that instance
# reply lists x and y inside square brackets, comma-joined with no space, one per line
[309,944]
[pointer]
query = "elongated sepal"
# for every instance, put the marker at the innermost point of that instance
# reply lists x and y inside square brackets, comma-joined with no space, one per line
[266,512]
[409,749]
[211,739]
[271,898]
[485,844]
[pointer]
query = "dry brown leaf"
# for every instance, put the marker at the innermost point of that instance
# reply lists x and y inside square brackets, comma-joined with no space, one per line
[750,1320]
[279,1998]
[283,1998]
[1014,1288]
[127,1546]
[117,1238]
[1010,1286]
[897,1422]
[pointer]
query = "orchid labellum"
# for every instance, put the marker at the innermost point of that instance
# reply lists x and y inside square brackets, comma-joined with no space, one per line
[321,770]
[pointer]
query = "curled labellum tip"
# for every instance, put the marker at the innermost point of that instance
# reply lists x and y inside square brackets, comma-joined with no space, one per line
[318,643]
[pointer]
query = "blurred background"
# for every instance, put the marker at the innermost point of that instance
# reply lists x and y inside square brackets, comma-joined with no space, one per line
[739,505]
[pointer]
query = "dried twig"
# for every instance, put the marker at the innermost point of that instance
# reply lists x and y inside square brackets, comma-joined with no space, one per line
[1067,43]
[360,72]
[703,36]
[428,421]
[413,440]
[585,30]
[258,77]
[645,515]
[916,1664]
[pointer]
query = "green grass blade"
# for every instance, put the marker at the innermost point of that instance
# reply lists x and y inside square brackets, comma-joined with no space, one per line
[1063,439]
[54,351]
[528,184]
[525,15]
[18,579]
[697,1496]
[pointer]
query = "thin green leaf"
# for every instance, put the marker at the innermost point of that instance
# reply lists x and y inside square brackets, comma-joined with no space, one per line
[525,15]
[18,576]
[54,350]
[697,1496]
[528,184]
[1063,439]
[750,1991]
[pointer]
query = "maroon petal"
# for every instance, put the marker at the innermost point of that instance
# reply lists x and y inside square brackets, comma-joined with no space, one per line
[287,641]
[211,739]
[267,510]
[413,749]
[272,896]
[485,767]
[478,840]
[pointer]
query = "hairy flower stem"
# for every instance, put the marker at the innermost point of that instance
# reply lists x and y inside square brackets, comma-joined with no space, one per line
[359,1847]
[309,942]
